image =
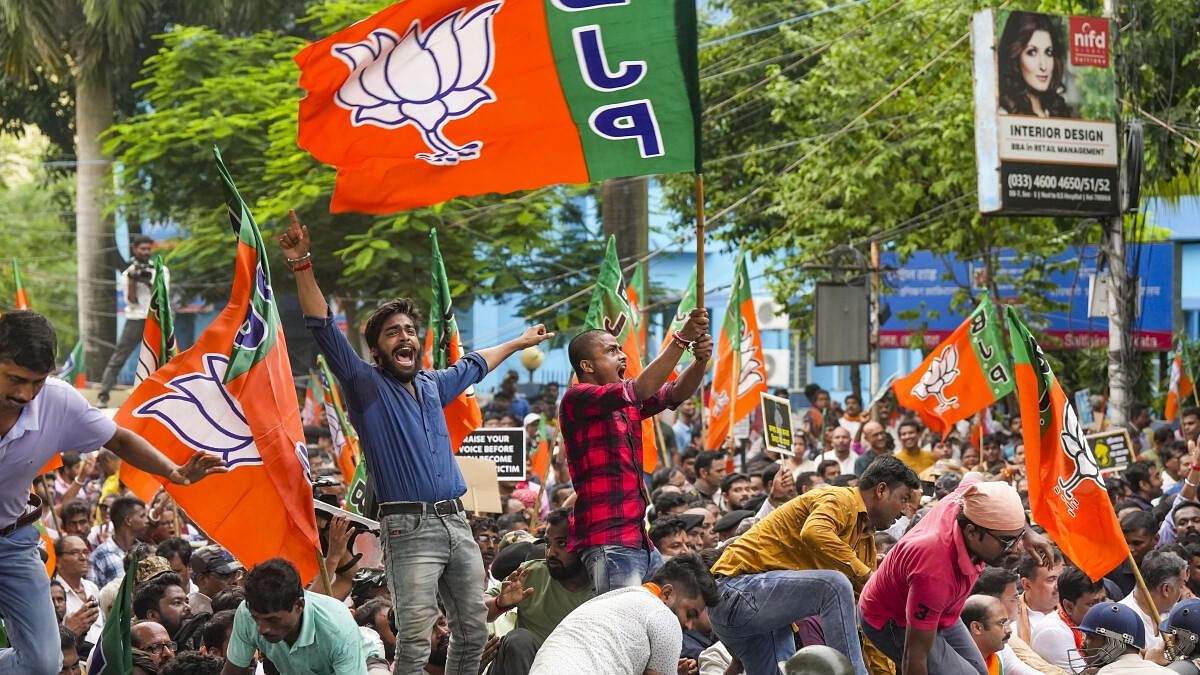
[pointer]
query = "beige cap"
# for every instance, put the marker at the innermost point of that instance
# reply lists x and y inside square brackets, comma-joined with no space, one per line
[994,505]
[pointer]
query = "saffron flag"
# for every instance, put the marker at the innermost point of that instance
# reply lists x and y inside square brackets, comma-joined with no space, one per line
[345,439]
[964,374]
[232,395]
[1180,387]
[158,337]
[686,304]
[113,654]
[433,99]
[314,399]
[74,370]
[609,310]
[741,373]
[22,297]
[443,348]
[638,293]
[1066,492]
[539,463]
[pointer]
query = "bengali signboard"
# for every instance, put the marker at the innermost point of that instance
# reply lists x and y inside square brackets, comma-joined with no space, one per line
[1045,114]
[777,423]
[1112,449]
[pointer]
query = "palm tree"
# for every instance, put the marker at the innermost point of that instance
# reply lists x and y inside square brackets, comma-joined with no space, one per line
[97,46]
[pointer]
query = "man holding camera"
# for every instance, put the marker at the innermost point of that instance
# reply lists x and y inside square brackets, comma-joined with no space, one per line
[139,283]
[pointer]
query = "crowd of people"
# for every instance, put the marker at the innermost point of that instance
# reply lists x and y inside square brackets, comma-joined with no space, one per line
[874,547]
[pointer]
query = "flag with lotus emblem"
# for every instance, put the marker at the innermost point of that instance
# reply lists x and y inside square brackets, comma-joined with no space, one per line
[232,395]
[964,374]
[1067,495]
[740,376]
[433,99]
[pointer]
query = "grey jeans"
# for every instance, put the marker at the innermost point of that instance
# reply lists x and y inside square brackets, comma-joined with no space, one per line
[953,651]
[131,339]
[431,558]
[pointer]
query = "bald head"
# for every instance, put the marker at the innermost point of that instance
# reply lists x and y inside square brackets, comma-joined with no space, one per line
[875,435]
[987,620]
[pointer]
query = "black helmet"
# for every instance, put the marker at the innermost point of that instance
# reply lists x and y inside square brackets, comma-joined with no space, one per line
[818,660]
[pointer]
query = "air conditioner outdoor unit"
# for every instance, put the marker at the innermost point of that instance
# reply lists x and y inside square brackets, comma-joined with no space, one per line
[778,365]
[770,315]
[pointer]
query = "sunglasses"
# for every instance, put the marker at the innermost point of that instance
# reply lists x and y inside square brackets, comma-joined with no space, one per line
[1006,543]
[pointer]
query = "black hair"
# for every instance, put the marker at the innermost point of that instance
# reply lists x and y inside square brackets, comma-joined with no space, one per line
[735,477]
[67,639]
[139,239]
[992,439]
[769,473]
[580,347]
[1028,565]
[1014,92]
[1126,504]
[364,614]
[1159,567]
[888,469]
[688,575]
[73,507]
[976,609]
[229,598]
[825,464]
[273,586]
[558,517]
[853,397]
[669,500]
[1138,521]
[122,508]
[1164,435]
[147,597]
[508,521]
[217,629]
[1136,473]
[1073,583]
[840,480]
[60,542]
[384,312]
[1137,409]
[313,432]
[175,546]
[27,340]
[481,524]
[1190,411]
[705,460]
[805,479]
[993,580]
[665,527]
[192,663]
[910,422]
[1185,503]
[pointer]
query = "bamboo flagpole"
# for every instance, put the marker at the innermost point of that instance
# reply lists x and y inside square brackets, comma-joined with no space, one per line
[700,280]
[537,511]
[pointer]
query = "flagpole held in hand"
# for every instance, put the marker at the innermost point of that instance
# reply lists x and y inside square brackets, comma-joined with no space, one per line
[323,571]
[700,276]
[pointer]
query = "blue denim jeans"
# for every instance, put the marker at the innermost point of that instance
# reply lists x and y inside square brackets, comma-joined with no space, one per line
[953,651]
[26,607]
[754,618]
[428,558]
[619,566]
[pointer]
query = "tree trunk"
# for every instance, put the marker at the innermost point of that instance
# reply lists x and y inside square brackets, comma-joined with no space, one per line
[625,212]
[93,231]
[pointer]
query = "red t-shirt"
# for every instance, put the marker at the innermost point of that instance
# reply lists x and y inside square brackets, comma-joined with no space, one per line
[926,577]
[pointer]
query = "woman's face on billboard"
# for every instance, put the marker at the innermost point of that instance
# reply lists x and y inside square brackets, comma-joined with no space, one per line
[1037,61]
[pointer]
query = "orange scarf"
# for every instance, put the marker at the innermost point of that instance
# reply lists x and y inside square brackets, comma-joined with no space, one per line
[1075,632]
[653,588]
[993,664]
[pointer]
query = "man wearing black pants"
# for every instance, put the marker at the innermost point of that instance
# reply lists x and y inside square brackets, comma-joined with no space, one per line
[139,283]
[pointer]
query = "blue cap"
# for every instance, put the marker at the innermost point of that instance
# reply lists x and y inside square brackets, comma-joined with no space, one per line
[1185,615]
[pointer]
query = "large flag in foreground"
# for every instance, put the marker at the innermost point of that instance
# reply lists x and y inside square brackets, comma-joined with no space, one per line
[1180,387]
[232,395]
[1066,493]
[741,372]
[433,99]
[609,310]
[158,337]
[964,374]
[22,298]
[113,654]
[443,348]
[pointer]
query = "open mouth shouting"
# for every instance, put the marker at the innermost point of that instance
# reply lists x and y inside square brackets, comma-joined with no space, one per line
[405,357]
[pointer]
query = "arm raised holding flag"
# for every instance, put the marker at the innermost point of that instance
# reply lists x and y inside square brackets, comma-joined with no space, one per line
[396,406]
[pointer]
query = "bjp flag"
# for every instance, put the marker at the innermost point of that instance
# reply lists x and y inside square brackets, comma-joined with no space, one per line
[966,373]
[741,372]
[443,348]
[1180,386]
[1066,492]
[22,298]
[433,99]
[609,310]
[343,435]
[158,335]
[232,395]
[686,304]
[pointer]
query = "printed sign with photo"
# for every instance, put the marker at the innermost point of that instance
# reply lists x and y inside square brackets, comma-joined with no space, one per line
[777,423]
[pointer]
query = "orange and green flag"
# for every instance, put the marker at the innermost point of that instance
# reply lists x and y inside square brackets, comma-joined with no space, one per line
[686,304]
[741,374]
[1180,387]
[314,400]
[610,311]
[1067,496]
[964,374]
[345,438]
[75,370]
[433,99]
[638,294]
[22,297]
[232,395]
[443,348]
[158,336]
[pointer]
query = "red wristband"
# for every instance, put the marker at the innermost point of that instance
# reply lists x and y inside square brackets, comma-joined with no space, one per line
[301,268]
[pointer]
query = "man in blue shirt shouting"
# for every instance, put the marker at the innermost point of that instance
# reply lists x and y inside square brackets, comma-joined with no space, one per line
[396,407]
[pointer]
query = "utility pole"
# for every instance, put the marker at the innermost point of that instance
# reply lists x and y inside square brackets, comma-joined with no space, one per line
[873,318]
[625,212]
[1120,351]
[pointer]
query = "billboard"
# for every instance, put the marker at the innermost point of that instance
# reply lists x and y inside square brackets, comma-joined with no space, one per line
[1045,114]
[918,294]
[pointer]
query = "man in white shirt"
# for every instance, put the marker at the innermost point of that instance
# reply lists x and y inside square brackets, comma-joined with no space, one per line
[71,553]
[1016,657]
[139,285]
[1166,578]
[1057,634]
[1039,592]
[631,631]
[839,450]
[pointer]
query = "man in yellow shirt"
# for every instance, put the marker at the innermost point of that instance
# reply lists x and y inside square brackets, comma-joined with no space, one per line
[810,556]
[910,451]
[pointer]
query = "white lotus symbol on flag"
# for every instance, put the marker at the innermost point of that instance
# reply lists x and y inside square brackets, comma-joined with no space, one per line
[943,370]
[203,415]
[1075,445]
[425,79]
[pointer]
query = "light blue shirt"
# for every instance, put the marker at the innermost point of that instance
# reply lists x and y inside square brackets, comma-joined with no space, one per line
[58,419]
[329,642]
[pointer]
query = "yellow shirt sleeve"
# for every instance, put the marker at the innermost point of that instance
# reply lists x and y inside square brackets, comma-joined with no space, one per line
[822,536]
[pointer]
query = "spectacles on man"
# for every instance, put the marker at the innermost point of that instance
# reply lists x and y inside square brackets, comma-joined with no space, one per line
[159,647]
[484,538]
[1006,543]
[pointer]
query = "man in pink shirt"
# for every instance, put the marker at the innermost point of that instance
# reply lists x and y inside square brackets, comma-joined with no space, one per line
[911,604]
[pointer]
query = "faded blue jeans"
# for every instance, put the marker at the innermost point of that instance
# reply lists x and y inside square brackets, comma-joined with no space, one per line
[613,567]
[27,609]
[431,557]
[754,618]
[953,651]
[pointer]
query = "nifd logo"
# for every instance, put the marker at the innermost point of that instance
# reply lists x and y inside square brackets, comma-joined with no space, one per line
[1089,41]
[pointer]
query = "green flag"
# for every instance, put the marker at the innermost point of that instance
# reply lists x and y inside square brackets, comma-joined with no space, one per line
[74,370]
[686,304]
[113,655]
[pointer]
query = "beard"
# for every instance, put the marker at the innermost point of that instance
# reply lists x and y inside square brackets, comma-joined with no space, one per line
[561,571]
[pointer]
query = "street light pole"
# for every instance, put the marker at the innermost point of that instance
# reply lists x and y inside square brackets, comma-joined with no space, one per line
[1120,352]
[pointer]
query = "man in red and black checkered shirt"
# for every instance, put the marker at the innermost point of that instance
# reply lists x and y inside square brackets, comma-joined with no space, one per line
[601,427]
